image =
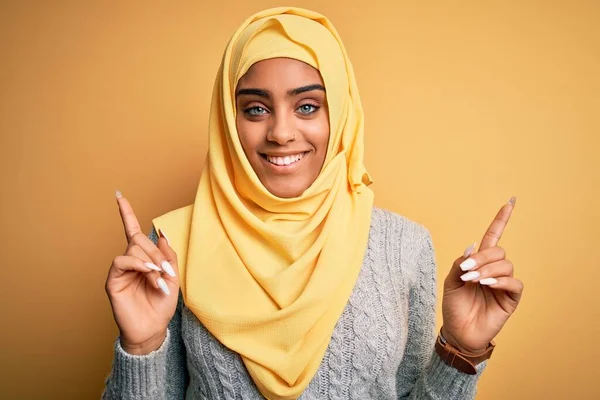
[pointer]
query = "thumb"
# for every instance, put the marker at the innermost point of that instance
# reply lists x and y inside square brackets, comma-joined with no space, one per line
[453,280]
[164,245]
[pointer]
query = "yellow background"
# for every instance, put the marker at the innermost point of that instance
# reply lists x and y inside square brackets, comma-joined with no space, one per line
[466,104]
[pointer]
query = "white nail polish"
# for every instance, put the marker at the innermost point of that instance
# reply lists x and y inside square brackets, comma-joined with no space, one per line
[512,201]
[118,194]
[152,266]
[488,281]
[165,236]
[163,286]
[469,276]
[167,268]
[468,264]
[469,250]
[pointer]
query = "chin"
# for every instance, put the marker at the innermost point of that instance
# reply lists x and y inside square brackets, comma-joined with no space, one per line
[284,191]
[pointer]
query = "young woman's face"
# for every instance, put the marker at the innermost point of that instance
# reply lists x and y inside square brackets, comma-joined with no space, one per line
[283,125]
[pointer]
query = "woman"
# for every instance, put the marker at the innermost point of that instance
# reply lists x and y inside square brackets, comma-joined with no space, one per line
[292,284]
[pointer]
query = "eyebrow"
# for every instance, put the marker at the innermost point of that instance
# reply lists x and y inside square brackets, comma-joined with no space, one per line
[267,94]
[309,88]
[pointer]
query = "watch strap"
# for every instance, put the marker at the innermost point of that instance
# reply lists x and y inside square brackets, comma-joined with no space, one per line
[464,362]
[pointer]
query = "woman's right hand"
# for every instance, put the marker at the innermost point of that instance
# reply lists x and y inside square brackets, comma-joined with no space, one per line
[142,286]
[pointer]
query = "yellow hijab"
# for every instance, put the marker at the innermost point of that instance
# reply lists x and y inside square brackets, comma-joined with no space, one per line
[269,277]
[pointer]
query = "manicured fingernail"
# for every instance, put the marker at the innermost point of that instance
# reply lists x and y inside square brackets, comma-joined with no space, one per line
[488,281]
[512,201]
[168,269]
[152,266]
[469,250]
[163,286]
[469,276]
[468,264]
[162,233]
[118,194]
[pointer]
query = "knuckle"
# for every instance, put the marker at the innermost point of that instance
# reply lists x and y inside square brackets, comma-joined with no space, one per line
[501,252]
[133,249]
[135,238]
[490,235]
[117,261]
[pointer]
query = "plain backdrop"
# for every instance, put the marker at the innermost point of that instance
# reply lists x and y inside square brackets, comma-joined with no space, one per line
[467,103]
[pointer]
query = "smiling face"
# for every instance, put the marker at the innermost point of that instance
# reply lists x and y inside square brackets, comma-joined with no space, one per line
[283,125]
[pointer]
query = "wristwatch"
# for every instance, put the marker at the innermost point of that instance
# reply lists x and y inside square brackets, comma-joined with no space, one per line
[464,362]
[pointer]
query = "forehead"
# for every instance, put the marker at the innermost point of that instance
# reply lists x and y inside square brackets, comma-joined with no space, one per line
[280,72]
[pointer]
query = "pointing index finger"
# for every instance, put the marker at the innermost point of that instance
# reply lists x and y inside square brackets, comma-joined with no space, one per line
[130,222]
[494,232]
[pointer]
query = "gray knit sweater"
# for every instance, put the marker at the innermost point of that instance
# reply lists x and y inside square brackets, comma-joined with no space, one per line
[382,346]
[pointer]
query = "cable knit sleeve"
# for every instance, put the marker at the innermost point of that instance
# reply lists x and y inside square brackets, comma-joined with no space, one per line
[422,374]
[160,375]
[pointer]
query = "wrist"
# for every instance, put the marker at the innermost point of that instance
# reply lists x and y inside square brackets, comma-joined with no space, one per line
[464,360]
[451,340]
[146,347]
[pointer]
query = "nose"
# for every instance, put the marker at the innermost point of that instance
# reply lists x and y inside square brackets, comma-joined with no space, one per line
[281,130]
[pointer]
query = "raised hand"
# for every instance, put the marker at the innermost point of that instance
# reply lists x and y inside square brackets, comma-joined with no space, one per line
[480,292]
[142,286]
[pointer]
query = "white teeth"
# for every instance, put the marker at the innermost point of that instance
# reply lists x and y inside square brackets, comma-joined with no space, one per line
[287,160]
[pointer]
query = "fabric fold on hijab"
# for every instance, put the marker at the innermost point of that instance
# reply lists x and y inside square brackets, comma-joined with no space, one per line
[269,277]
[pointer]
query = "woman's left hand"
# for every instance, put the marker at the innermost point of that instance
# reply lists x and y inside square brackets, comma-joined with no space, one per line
[481,296]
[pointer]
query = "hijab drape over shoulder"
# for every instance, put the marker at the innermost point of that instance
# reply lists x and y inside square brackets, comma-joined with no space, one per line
[269,277]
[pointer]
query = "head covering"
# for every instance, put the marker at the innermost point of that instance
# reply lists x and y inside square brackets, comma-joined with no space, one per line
[269,277]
